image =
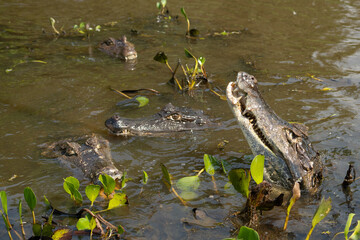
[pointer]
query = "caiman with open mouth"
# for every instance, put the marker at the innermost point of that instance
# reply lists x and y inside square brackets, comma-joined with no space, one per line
[289,155]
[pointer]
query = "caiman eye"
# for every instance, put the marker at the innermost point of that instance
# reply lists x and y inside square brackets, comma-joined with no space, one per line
[175,117]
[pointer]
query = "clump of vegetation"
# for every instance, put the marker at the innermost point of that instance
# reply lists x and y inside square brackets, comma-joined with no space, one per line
[92,220]
[82,29]
[193,76]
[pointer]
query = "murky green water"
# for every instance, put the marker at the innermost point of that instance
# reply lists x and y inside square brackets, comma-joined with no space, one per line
[285,42]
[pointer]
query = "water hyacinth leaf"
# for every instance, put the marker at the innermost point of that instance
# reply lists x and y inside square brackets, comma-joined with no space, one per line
[161,57]
[145,178]
[3,198]
[119,199]
[61,234]
[188,183]
[166,174]
[108,183]
[184,13]
[142,101]
[188,54]
[356,233]
[73,181]
[248,234]
[74,193]
[209,167]
[240,179]
[92,192]
[348,223]
[30,198]
[323,209]
[83,224]
[188,195]
[257,168]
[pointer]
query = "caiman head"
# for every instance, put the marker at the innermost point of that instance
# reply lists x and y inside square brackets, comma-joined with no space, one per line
[289,155]
[119,48]
[170,119]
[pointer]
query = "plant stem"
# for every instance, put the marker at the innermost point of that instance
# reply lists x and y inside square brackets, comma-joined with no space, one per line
[33,215]
[10,235]
[214,183]
[123,94]
[178,196]
[308,236]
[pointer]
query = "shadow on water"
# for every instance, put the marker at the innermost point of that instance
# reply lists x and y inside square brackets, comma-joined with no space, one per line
[304,53]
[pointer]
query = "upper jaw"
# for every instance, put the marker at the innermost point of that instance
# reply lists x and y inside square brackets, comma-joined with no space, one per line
[234,93]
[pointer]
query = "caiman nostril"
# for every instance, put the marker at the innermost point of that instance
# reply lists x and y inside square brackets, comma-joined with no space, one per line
[116,117]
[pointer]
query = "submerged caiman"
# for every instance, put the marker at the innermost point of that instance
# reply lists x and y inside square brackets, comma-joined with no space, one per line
[90,154]
[170,119]
[119,48]
[289,155]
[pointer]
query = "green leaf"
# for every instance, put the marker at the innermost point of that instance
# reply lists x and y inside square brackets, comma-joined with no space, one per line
[347,226]
[83,224]
[118,200]
[188,195]
[356,233]
[142,101]
[73,181]
[158,5]
[161,57]
[246,233]
[120,229]
[37,229]
[209,167]
[184,13]
[3,198]
[257,168]
[240,179]
[145,177]
[98,28]
[75,194]
[92,192]
[108,183]
[92,223]
[166,174]
[323,209]
[188,183]
[8,70]
[82,25]
[30,198]
[163,3]
[201,61]
[188,54]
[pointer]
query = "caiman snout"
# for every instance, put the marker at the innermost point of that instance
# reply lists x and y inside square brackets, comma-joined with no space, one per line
[116,125]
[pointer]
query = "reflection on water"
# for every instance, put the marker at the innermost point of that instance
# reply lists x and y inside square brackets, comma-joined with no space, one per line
[285,42]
